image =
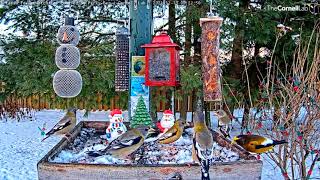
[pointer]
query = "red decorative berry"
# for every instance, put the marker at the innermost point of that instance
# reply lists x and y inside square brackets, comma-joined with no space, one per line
[285,175]
[258,157]
[309,172]
[296,88]
[285,133]
[260,125]
[300,138]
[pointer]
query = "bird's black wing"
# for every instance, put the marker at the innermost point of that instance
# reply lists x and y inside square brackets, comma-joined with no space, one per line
[263,146]
[123,144]
[115,144]
[58,127]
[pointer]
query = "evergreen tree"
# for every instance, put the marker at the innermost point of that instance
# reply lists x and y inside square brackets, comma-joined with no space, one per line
[141,116]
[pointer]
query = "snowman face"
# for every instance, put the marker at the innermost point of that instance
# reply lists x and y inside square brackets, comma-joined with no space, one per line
[117,118]
[68,35]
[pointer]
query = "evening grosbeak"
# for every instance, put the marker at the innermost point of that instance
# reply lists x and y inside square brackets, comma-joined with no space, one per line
[174,133]
[125,144]
[223,121]
[65,125]
[202,143]
[255,143]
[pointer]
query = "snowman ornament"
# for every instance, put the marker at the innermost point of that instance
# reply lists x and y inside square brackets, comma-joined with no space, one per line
[167,121]
[116,127]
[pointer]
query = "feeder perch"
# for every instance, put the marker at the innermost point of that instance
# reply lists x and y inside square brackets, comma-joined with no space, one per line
[122,59]
[162,61]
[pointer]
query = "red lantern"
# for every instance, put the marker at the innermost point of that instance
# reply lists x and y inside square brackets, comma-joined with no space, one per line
[162,61]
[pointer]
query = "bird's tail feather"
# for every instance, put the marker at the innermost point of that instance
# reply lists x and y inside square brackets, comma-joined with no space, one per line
[94,153]
[279,142]
[205,165]
[45,138]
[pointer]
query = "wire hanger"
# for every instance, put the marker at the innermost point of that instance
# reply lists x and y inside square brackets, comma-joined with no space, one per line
[211,13]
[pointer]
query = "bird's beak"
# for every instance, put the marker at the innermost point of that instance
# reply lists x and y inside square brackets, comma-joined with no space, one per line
[151,130]
[234,140]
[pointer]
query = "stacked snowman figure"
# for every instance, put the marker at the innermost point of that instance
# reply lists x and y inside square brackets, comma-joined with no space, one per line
[116,126]
[67,82]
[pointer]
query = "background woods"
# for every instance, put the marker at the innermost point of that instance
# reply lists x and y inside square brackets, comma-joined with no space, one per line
[248,37]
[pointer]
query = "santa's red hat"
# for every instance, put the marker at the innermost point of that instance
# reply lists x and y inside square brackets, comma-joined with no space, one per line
[167,112]
[115,111]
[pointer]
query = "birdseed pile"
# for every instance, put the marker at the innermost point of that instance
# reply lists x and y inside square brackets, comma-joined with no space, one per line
[179,152]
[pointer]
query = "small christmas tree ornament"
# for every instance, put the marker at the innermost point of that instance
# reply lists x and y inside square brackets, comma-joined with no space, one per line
[141,115]
[116,127]
[167,121]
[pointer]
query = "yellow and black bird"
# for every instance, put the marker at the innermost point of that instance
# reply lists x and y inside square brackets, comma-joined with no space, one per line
[174,133]
[65,125]
[202,143]
[125,144]
[256,144]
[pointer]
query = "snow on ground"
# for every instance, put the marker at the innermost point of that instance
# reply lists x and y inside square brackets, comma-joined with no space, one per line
[21,146]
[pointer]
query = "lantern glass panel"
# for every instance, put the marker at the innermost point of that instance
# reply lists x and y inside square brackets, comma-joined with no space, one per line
[159,65]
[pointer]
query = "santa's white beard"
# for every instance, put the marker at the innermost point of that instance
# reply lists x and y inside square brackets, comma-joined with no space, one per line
[167,124]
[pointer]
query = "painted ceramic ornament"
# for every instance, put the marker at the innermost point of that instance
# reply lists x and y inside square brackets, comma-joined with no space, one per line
[116,126]
[167,121]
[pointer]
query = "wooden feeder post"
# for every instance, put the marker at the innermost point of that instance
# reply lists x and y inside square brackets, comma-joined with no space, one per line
[140,33]
[210,61]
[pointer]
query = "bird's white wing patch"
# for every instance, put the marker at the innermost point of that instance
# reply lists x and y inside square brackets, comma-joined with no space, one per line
[127,143]
[267,141]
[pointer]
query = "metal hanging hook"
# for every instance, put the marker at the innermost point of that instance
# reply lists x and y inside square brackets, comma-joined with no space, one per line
[211,14]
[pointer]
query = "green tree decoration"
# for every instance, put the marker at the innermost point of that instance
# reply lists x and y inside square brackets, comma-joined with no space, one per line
[141,115]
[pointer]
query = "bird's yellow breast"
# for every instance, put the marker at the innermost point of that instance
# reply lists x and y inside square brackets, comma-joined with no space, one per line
[199,127]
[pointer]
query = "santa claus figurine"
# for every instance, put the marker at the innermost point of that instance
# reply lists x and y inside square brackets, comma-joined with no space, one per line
[116,126]
[166,121]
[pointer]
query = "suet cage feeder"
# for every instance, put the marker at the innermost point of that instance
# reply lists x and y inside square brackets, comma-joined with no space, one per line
[67,82]
[162,61]
[67,57]
[122,59]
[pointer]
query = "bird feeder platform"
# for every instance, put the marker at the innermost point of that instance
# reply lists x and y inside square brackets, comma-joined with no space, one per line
[248,167]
